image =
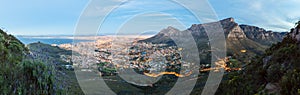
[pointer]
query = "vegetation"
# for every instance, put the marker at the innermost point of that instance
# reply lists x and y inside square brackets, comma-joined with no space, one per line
[279,66]
[53,56]
[106,69]
[22,73]
[20,76]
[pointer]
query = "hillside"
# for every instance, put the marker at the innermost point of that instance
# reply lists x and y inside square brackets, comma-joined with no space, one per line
[37,70]
[58,59]
[275,72]
[16,70]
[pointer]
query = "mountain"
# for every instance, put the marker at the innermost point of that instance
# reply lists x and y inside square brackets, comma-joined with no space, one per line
[238,37]
[232,30]
[276,72]
[163,36]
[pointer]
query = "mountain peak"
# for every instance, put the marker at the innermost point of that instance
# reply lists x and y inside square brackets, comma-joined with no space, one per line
[171,28]
[230,19]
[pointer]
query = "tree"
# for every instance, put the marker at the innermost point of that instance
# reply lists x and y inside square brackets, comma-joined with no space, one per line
[297,24]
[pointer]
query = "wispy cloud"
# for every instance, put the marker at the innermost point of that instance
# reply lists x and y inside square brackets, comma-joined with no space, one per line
[277,15]
[119,0]
[256,5]
[157,15]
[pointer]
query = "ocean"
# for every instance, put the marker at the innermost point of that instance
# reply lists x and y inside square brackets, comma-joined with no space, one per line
[49,40]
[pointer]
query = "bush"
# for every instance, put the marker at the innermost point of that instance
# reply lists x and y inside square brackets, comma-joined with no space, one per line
[290,83]
[22,77]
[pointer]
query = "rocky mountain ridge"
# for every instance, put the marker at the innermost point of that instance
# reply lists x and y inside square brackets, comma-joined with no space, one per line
[262,36]
[238,37]
[232,30]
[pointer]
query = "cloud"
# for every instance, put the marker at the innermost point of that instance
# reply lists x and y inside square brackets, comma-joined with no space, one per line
[157,15]
[98,8]
[256,5]
[277,15]
[119,0]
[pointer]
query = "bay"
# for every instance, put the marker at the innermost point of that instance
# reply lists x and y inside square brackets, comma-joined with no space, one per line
[50,40]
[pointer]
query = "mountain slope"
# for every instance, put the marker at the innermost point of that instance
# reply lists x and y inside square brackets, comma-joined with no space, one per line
[35,70]
[163,37]
[58,59]
[276,72]
[19,75]
[236,39]
[11,45]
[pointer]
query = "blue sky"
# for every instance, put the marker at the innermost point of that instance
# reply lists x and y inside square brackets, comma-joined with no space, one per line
[60,17]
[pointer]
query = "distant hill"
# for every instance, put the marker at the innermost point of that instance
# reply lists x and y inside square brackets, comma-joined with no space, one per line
[238,37]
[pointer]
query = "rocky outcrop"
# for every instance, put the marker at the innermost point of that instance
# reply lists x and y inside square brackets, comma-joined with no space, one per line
[232,29]
[262,36]
[266,60]
[236,33]
[295,33]
[272,88]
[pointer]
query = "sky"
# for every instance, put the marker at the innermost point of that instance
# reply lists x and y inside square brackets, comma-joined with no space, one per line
[91,17]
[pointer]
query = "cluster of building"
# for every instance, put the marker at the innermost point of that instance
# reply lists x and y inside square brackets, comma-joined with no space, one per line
[113,57]
[142,57]
[153,58]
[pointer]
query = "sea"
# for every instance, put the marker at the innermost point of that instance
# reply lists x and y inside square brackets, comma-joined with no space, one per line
[49,40]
